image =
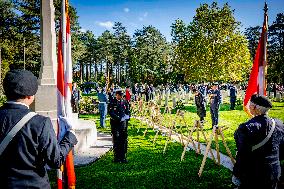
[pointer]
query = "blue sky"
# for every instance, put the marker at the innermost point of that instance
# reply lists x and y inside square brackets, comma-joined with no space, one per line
[99,15]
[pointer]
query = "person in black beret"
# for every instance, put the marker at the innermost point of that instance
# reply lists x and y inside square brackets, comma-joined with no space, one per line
[118,117]
[23,158]
[258,144]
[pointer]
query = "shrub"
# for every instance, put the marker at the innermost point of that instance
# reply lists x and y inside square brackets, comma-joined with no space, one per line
[180,105]
[88,105]
[2,100]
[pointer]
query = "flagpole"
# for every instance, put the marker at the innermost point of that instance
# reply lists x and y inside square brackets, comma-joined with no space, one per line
[265,47]
[63,30]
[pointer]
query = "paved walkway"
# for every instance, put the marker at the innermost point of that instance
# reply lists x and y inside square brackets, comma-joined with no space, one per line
[94,152]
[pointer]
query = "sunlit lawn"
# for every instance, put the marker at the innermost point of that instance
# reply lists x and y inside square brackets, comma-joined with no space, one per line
[148,167]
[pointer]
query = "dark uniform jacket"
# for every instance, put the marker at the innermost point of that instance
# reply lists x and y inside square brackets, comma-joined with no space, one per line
[215,97]
[199,100]
[117,110]
[261,165]
[233,91]
[35,145]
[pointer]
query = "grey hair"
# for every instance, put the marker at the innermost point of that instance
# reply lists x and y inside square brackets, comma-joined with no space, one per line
[261,109]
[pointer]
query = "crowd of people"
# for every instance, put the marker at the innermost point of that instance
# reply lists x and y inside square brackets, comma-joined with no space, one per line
[259,141]
[28,142]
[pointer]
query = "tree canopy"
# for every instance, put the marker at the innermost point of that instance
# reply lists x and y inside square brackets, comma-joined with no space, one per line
[211,47]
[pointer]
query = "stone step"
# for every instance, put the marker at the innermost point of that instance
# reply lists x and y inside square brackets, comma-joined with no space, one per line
[95,151]
[86,133]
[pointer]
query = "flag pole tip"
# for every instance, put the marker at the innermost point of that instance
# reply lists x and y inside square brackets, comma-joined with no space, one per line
[265,7]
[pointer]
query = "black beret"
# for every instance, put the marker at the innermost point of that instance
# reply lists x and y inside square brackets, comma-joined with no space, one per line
[261,101]
[20,83]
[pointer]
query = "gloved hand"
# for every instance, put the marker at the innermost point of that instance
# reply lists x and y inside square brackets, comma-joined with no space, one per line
[236,180]
[69,122]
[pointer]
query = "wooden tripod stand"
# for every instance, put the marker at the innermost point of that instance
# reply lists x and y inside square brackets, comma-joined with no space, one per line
[215,133]
[198,127]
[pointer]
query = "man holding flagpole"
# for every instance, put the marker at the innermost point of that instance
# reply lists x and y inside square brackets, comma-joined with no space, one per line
[33,145]
[258,140]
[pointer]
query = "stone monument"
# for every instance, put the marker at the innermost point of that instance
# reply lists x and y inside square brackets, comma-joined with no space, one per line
[46,98]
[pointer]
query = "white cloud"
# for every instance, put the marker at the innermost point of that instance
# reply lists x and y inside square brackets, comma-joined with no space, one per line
[107,24]
[83,30]
[145,14]
[126,9]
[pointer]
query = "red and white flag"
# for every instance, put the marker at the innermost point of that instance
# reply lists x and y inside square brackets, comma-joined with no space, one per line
[257,82]
[66,175]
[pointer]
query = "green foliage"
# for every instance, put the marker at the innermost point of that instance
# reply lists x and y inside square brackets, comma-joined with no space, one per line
[151,56]
[276,50]
[88,105]
[2,100]
[211,46]
[180,105]
[275,46]
[148,167]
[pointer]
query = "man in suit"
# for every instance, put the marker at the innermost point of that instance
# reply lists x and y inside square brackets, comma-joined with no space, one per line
[23,162]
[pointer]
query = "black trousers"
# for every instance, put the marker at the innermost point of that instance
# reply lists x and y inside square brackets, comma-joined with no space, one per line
[233,102]
[119,138]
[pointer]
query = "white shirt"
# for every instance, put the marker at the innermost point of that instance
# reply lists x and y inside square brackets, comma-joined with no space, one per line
[14,102]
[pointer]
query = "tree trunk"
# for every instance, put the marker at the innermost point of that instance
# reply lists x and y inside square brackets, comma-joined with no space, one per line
[87,73]
[119,72]
[101,68]
[95,71]
[90,71]
[0,68]
[81,72]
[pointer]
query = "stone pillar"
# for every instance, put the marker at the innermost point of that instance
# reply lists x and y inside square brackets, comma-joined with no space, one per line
[46,97]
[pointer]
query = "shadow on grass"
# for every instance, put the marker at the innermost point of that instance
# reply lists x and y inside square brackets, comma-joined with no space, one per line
[148,167]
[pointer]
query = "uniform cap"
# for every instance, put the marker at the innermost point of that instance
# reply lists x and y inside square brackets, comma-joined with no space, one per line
[20,83]
[261,101]
[119,91]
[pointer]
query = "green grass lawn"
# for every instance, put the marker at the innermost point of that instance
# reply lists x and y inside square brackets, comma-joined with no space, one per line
[148,167]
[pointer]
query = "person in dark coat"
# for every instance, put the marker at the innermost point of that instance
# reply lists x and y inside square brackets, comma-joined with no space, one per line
[233,96]
[258,142]
[103,100]
[215,98]
[200,104]
[75,99]
[23,162]
[117,112]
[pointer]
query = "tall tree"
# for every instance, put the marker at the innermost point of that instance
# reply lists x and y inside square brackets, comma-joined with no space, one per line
[211,47]
[150,55]
[276,50]
[253,35]
[121,50]
[106,42]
